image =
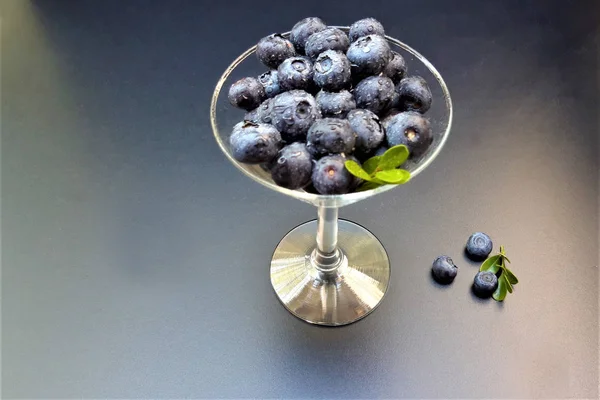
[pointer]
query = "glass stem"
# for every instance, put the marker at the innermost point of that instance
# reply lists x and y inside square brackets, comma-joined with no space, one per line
[327,257]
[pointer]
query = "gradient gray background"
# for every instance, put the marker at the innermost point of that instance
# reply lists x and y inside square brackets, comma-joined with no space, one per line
[135,258]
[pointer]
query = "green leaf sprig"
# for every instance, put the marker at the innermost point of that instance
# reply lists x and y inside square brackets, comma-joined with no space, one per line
[506,279]
[381,170]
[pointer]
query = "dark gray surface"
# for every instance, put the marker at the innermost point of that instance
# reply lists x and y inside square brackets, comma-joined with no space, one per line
[135,259]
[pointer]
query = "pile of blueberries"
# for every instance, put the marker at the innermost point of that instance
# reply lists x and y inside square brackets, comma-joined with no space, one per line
[328,97]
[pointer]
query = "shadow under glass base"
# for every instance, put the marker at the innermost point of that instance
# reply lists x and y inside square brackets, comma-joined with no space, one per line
[351,293]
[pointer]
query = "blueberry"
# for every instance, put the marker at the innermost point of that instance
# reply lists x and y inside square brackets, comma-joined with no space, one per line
[330,175]
[330,136]
[303,30]
[327,39]
[357,76]
[374,93]
[479,246]
[484,284]
[262,113]
[387,116]
[253,143]
[332,71]
[369,55]
[396,68]
[253,116]
[293,113]
[292,168]
[273,49]
[415,94]
[265,111]
[295,73]
[335,104]
[443,270]
[394,105]
[247,93]
[270,82]
[368,129]
[364,27]
[410,129]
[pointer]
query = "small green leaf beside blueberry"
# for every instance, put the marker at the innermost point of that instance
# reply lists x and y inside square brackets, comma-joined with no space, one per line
[496,265]
[382,170]
[500,292]
[394,176]
[371,164]
[393,157]
[489,263]
[355,169]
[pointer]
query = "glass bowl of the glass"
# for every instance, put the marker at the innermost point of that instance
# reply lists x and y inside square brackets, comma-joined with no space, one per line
[329,271]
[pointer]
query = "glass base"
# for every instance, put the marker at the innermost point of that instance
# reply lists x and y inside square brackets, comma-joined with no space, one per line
[339,298]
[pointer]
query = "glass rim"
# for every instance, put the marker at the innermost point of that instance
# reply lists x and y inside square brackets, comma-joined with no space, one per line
[335,198]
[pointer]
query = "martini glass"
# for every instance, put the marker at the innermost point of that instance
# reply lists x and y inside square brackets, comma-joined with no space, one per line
[330,271]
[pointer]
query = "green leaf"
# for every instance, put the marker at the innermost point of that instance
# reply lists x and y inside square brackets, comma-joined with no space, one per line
[506,281]
[489,263]
[510,276]
[368,186]
[355,169]
[393,157]
[396,176]
[371,164]
[494,268]
[501,290]
[505,258]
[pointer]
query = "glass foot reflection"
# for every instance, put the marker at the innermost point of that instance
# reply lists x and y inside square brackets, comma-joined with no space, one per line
[357,287]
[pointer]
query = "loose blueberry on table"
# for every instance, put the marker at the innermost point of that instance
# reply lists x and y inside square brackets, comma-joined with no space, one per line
[334,113]
[444,270]
[479,246]
[485,284]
